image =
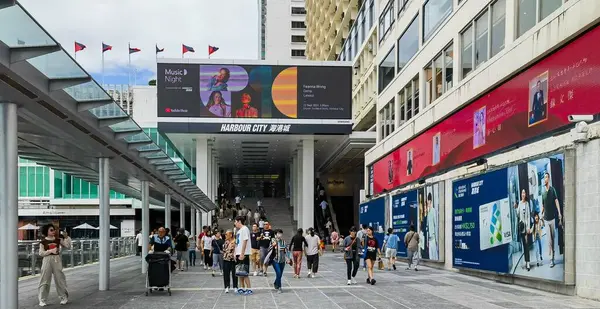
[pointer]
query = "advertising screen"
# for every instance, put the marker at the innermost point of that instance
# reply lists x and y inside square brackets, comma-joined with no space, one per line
[254,91]
[533,103]
[372,213]
[511,220]
[428,200]
[404,215]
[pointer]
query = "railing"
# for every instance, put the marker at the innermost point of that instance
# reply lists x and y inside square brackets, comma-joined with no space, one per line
[83,251]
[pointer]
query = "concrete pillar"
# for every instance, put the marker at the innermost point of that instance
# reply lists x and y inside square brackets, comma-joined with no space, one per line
[203,155]
[181,215]
[297,191]
[292,182]
[9,201]
[145,224]
[104,228]
[168,211]
[198,222]
[308,183]
[192,220]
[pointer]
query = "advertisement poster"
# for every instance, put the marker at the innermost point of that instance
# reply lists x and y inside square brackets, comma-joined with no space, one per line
[534,103]
[428,200]
[254,91]
[511,220]
[372,213]
[404,215]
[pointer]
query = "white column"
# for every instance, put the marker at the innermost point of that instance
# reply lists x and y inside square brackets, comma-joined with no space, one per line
[145,224]
[181,215]
[168,211]
[198,221]
[202,171]
[299,198]
[192,220]
[104,228]
[291,180]
[9,201]
[308,183]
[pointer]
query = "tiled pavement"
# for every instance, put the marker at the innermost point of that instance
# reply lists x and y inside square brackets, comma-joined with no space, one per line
[196,288]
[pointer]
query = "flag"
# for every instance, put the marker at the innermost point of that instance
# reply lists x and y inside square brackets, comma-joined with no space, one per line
[106,47]
[159,50]
[212,49]
[185,49]
[79,46]
[134,50]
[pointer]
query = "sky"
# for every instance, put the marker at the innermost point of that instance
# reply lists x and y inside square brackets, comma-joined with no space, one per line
[231,25]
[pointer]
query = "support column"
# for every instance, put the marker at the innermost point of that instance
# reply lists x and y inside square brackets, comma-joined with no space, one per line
[308,183]
[198,222]
[145,224]
[9,201]
[182,215]
[300,202]
[104,242]
[295,186]
[192,221]
[203,155]
[168,211]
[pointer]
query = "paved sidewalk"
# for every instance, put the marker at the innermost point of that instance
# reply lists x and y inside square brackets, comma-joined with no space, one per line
[196,288]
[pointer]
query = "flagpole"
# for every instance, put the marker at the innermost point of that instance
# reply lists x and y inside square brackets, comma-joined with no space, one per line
[129,71]
[103,65]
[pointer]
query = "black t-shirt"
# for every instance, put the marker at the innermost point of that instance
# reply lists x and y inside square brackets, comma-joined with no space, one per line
[550,204]
[296,243]
[372,244]
[253,240]
[217,245]
[265,241]
[181,243]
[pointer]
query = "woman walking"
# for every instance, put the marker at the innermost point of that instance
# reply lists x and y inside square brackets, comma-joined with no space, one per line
[281,257]
[351,256]
[313,250]
[373,251]
[206,244]
[229,262]
[335,238]
[524,213]
[217,255]
[52,264]
[297,247]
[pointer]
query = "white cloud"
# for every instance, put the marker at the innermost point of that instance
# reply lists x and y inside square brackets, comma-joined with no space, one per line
[232,25]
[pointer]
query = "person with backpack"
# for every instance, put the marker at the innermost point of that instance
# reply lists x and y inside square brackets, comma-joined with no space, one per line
[411,241]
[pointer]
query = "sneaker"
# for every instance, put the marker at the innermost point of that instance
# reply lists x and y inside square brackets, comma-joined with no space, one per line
[416,269]
[240,292]
[43,304]
[552,264]
[248,292]
[265,274]
[368,280]
[354,281]
[309,275]
[63,300]
[407,268]
[213,274]
[279,291]
[373,281]
[205,268]
[226,290]
[349,282]
[255,273]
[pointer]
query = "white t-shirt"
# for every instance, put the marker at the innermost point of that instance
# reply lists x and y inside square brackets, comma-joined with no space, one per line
[261,224]
[207,242]
[138,237]
[258,203]
[240,236]
[313,244]
[238,199]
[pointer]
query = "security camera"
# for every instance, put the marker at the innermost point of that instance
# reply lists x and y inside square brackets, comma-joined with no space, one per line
[579,118]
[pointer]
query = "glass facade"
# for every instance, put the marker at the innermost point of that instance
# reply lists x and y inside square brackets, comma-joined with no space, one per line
[34,181]
[70,187]
[167,146]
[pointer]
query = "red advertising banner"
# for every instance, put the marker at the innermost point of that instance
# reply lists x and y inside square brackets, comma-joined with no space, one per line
[535,102]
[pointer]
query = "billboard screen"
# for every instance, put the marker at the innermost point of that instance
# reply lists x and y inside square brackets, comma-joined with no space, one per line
[404,215]
[533,103]
[254,91]
[511,220]
[372,213]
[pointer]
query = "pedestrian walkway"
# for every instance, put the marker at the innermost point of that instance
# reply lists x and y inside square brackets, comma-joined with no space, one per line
[196,288]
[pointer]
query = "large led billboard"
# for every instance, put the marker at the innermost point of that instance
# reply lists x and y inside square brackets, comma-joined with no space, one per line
[237,97]
[534,103]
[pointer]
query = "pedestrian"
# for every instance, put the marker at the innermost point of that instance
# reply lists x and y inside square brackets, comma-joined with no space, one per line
[182,245]
[261,224]
[52,266]
[313,250]
[334,239]
[351,247]
[249,215]
[256,216]
[297,246]
[373,251]
[238,200]
[138,241]
[217,245]
[206,247]
[281,258]
[192,250]
[242,252]
[361,234]
[264,242]
[229,262]
[199,244]
[391,248]
[255,250]
[411,241]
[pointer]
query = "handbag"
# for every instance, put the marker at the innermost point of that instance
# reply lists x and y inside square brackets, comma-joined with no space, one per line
[380,264]
[241,270]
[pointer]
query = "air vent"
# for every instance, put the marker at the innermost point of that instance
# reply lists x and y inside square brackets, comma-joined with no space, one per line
[114,150]
[126,158]
[52,109]
[17,86]
[99,140]
[78,126]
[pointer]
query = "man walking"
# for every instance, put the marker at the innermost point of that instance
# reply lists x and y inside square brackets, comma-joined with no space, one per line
[242,252]
[391,248]
[264,242]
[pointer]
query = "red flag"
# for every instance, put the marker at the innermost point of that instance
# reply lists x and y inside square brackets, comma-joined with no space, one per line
[106,47]
[79,46]
[212,49]
[134,50]
[185,49]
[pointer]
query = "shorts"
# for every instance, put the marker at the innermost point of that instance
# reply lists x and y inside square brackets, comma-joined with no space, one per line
[254,255]
[371,255]
[263,254]
[389,252]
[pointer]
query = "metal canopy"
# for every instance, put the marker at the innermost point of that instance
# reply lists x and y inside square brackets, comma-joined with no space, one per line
[67,121]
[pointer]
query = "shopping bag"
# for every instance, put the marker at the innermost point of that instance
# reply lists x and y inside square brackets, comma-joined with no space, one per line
[241,270]
[380,264]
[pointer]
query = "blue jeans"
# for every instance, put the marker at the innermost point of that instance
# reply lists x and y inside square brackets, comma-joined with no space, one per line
[192,254]
[278,274]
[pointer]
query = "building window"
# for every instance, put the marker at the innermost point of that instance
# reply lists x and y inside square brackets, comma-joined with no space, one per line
[408,44]
[409,100]
[386,20]
[402,6]
[434,13]
[298,25]
[386,70]
[371,13]
[298,11]
[298,52]
[438,75]
[387,118]
[298,39]
[530,12]
[478,44]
